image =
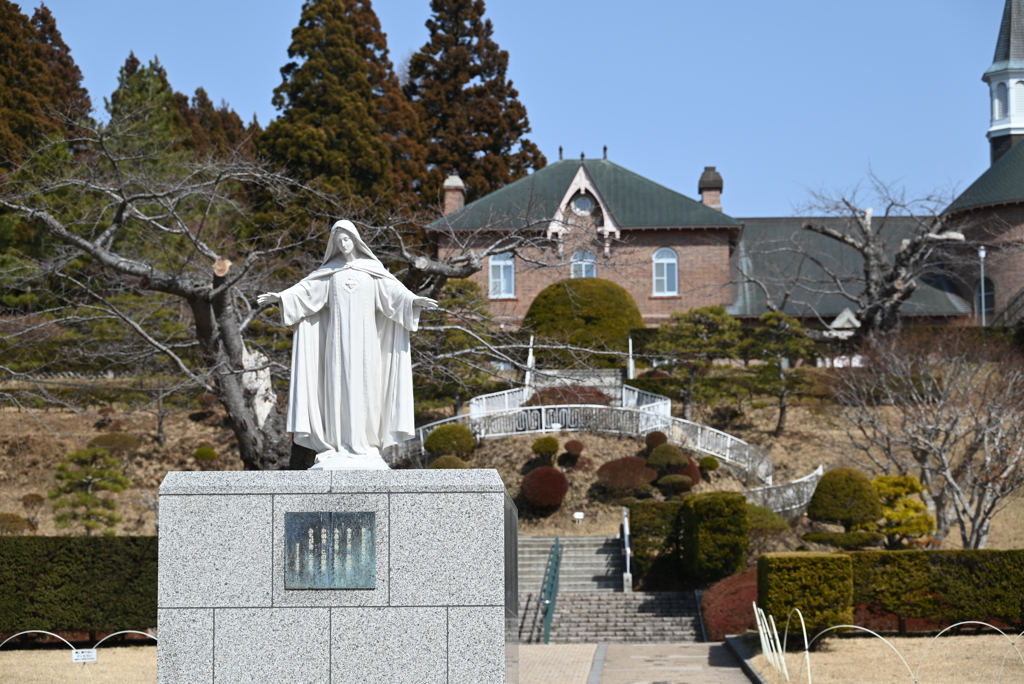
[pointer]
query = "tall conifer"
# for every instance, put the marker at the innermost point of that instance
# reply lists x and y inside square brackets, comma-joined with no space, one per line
[68,92]
[473,119]
[327,128]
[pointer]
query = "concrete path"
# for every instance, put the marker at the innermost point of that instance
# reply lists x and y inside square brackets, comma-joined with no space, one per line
[629,664]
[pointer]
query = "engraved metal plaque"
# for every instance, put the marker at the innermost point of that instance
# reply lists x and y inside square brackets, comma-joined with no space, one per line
[330,551]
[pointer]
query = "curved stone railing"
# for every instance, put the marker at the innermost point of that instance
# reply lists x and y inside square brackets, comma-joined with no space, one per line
[789,499]
[627,422]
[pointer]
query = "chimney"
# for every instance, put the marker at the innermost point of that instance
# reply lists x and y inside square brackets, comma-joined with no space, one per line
[454,193]
[710,188]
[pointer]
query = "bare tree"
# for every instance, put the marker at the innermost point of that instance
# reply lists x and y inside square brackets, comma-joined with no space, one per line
[848,254]
[152,254]
[948,409]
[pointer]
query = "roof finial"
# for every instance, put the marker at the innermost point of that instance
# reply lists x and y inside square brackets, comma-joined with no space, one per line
[559,153]
[581,156]
[606,153]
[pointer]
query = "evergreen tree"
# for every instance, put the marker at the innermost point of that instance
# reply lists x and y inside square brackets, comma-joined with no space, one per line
[37,78]
[81,476]
[779,342]
[68,92]
[216,130]
[145,89]
[473,119]
[399,124]
[327,129]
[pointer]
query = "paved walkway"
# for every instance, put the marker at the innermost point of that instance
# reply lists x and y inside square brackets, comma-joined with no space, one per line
[628,664]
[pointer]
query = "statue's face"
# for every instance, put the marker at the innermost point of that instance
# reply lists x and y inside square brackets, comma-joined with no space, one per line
[346,243]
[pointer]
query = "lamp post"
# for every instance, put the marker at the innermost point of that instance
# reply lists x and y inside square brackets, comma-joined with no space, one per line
[981,257]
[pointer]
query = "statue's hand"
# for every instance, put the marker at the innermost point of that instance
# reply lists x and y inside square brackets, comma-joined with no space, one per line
[425,303]
[268,298]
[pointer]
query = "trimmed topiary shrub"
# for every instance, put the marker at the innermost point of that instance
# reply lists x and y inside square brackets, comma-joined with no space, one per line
[708,463]
[764,526]
[450,439]
[656,537]
[846,540]
[573,394]
[727,605]
[101,584]
[545,487]
[667,458]
[624,475]
[545,447]
[819,584]
[655,439]
[205,453]
[714,535]
[675,484]
[845,496]
[588,312]
[448,463]
[574,447]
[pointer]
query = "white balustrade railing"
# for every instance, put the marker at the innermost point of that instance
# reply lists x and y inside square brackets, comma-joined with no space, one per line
[499,401]
[627,422]
[647,401]
[786,499]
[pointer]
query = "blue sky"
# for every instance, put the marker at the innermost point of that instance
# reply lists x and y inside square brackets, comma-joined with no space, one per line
[783,97]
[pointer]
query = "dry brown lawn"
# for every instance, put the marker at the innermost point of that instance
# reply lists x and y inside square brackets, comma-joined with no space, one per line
[120,665]
[949,660]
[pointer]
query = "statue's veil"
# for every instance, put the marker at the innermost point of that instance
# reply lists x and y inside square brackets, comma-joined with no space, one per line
[334,249]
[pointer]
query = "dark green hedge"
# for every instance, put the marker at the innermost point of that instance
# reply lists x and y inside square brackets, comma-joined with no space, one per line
[943,585]
[656,540]
[819,584]
[715,538]
[101,584]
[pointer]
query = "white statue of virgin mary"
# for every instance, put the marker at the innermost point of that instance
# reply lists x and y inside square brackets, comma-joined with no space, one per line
[351,384]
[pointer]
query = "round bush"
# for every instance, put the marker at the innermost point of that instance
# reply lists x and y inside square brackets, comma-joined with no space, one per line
[625,475]
[667,458]
[846,497]
[588,312]
[115,443]
[709,463]
[205,454]
[545,487]
[573,394]
[655,439]
[450,439]
[448,463]
[644,492]
[675,484]
[545,447]
[574,448]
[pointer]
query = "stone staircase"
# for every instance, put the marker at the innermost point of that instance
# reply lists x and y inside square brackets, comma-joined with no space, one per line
[591,605]
[635,618]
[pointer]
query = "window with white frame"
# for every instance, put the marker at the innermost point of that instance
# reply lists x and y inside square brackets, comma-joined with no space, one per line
[666,272]
[503,276]
[584,265]
[1018,97]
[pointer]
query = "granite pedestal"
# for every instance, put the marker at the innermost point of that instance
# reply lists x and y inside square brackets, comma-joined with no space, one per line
[443,606]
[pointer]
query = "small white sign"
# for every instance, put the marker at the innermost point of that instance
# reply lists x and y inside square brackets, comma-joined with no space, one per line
[84,655]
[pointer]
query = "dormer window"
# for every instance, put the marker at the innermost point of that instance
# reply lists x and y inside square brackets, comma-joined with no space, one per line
[583,205]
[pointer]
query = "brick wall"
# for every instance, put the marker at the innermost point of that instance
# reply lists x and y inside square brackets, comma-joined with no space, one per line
[1001,230]
[703,278]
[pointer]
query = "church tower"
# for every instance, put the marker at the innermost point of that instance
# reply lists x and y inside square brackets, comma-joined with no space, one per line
[1005,79]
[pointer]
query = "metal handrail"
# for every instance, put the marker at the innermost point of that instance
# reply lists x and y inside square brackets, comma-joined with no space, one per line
[627,552]
[549,594]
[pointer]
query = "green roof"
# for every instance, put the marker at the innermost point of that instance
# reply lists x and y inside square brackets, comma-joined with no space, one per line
[1002,183]
[1010,44]
[633,201]
[774,251]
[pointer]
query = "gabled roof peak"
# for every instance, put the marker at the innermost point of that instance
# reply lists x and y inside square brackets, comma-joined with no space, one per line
[1010,44]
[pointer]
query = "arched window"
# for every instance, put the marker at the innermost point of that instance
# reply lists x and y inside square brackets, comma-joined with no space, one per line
[989,298]
[666,272]
[503,276]
[584,265]
[1002,102]
[1018,97]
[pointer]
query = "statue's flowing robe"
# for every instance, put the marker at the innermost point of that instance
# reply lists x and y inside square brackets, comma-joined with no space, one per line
[351,383]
